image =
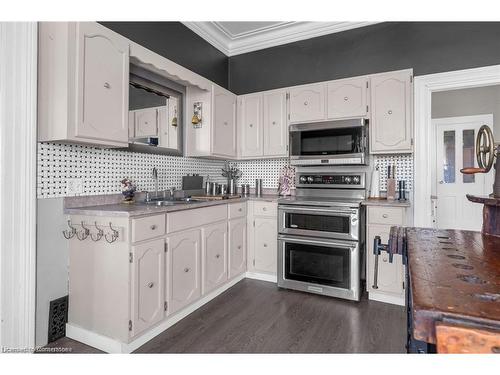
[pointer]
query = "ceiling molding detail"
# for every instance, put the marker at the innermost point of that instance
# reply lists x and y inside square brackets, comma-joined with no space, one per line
[269,36]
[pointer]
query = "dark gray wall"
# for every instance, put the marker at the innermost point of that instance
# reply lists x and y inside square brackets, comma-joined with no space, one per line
[426,47]
[176,42]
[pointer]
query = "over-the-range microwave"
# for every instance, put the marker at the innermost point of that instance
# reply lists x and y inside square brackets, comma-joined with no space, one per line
[340,142]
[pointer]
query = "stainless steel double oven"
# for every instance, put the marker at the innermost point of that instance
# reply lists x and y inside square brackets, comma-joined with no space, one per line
[320,239]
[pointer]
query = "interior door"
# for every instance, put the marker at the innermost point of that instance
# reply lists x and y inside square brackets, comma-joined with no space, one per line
[275,124]
[102,85]
[148,285]
[455,149]
[251,125]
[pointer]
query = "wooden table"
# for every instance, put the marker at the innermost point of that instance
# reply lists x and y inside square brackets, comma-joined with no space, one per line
[454,279]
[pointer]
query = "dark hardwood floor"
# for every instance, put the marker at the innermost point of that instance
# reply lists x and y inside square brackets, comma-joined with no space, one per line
[257,317]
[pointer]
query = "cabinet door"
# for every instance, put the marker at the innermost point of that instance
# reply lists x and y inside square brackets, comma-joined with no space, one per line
[390,275]
[102,85]
[224,126]
[215,256]
[250,127]
[307,103]
[265,245]
[237,247]
[146,122]
[148,275]
[185,268]
[275,124]
[391,110]
[347,98]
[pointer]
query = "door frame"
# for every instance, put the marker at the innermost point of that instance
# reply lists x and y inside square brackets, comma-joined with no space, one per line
[18,162]
[424,86]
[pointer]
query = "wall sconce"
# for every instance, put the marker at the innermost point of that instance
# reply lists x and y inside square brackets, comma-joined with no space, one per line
[197,116]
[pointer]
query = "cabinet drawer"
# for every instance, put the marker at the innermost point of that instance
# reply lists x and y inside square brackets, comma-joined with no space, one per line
[148,227]
[385,215]
[265,208]
[186,219]
[237,210]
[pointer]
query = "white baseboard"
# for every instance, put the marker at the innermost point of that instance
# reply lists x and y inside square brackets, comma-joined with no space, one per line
[262,276]
[387,298]
[110,345]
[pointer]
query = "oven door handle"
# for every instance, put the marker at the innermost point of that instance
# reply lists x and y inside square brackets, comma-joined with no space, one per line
[317,242]
[322,210]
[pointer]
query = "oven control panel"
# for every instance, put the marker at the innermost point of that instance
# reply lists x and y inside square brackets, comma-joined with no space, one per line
[325,180]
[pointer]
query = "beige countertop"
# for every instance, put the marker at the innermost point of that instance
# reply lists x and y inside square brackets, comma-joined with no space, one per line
[138,209]
[385,203]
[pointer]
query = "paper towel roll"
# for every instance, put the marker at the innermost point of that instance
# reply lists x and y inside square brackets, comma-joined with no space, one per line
[375,184]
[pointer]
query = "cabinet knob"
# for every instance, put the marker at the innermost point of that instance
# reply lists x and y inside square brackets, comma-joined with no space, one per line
[186,269]
[153,227]
[107,85]
[239,247]
[384,260]
[385,216]
[265,245]
[225,122]
[346,98]
[389,112]
[251,125]
[264,208]
[274,122]
[240,209]
[150,285]
[217,256]
[306,103]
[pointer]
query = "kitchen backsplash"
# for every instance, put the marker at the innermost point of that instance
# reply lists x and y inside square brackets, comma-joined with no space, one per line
[102,169]
[404,168]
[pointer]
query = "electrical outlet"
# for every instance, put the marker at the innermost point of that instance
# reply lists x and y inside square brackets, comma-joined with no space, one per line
[74,186]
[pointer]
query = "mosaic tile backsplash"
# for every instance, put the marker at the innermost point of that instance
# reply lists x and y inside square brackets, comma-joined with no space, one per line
[102,169]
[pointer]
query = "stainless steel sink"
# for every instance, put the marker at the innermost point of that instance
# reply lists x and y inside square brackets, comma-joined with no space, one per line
[171,202]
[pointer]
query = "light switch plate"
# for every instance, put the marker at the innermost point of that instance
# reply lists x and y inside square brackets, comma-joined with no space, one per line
[74,186]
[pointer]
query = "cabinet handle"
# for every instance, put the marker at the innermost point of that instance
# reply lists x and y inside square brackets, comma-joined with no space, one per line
[239,247]
[389,112]
[150,285]
[274,122]
[306,103]
[186,269]
[346,98]
[251,125]
[385,216]
[217,256]
[153,227]
[240,209]
[225,122]
[265,245]
[107,85]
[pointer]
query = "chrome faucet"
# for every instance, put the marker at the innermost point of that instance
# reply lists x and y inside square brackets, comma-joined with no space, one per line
[155,176]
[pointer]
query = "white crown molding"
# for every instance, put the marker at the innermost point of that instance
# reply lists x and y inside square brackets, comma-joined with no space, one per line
[283,33]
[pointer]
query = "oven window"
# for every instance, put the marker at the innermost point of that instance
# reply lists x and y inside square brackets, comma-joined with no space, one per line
[315,264]
[327,142]
[322,223]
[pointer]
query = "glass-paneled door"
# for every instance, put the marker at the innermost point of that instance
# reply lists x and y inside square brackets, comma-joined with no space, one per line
[455,149]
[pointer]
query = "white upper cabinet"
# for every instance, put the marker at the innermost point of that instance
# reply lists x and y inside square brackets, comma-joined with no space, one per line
[275,124]
[307,103]
[224,123]
[250,125]
[391,112]
[146,122]
[83,82]
[348,98]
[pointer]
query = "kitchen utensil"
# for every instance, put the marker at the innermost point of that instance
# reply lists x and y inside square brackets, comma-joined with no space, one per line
[214,188]
[375,184]
[193,182]
[402,191]
[223,189]
[258,187]
[232,186]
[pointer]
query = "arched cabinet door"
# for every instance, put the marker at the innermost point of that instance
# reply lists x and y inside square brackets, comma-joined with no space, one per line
[102,84]
[347,98]
[148,273]
[391,113]
[307,103]
[184,251]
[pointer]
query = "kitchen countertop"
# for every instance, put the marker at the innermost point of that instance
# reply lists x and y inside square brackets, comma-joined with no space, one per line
[132,210]
[385,203]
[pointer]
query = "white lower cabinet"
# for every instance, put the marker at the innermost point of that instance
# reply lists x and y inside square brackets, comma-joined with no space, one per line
[390,276]
[184,251]
[214,256]
[237,246]
[263,238]
[148,280]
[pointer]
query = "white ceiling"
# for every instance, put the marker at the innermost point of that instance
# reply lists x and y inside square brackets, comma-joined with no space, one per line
[234,38]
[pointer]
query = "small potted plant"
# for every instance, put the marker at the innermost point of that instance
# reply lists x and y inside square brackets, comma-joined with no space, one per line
[128,191]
